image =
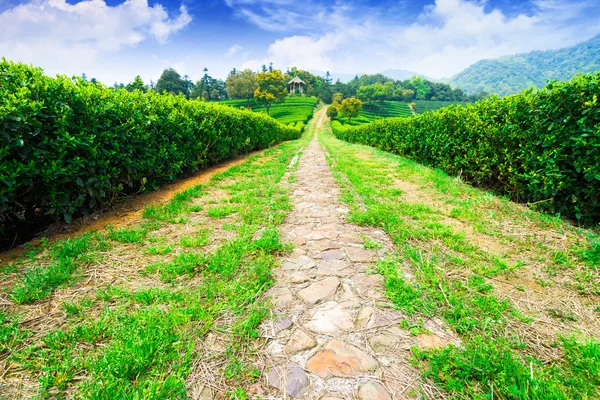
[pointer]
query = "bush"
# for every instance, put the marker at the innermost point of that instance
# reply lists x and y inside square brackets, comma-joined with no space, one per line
[538,146]
[70,147]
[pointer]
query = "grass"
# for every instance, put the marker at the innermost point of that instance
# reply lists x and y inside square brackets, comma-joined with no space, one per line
[475,259]
[59,265]
[153,292]
[293,110]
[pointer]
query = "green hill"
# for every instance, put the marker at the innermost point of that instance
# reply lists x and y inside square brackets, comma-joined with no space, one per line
[292,110]
[428,105]
[511,74]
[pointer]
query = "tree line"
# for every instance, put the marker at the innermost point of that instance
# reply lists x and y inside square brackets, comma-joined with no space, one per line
[245,84]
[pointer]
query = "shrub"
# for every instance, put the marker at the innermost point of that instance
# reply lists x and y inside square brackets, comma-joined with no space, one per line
[538,146]
[69,147]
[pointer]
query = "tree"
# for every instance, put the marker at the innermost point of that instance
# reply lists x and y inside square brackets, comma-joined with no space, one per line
[407,95]
[337,98]
[332,111]
[241,85]
[366,93]
[171,82]
[271,87]
[137,84]
[351,108]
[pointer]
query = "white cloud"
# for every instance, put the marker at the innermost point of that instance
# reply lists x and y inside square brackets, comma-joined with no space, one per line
[312,52]
[70,38]
[233,50]
[447,36]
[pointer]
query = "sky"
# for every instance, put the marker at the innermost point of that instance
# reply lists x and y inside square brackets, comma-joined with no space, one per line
[115,40]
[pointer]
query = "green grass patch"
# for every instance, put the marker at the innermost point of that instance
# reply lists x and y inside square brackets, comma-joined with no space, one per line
[455,279]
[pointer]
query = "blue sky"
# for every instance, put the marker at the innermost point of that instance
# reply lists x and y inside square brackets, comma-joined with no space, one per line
[114,40]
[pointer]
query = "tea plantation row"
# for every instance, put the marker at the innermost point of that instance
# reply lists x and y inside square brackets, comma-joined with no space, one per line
[69,146]
[293,110]
[538,146]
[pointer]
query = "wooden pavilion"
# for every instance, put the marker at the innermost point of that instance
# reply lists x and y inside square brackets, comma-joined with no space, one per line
[296,83]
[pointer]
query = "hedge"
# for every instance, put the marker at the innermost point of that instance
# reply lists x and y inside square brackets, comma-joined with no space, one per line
[69,146]
[540,146]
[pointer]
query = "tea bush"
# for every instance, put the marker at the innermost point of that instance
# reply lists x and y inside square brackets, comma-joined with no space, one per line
[69,146]
[540,146]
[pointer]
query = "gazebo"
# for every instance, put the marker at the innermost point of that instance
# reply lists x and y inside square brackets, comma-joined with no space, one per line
[296,83]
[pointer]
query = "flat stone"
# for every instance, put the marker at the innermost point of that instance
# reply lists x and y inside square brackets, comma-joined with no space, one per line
[319,291]
[302,262]
[331,398]
[299,341]
[298,277]
[319,214]
[332,255]
[359,255]
[282,296]
[330,234]
[289,378]
[334,267]
[322,245]
[315,235]
[393,336]
[373,391]
[327,228]
[369,286]
[341,360]
[431,341]
[281,324]
[331,319]
[346,294]
[363,318]
[206,393]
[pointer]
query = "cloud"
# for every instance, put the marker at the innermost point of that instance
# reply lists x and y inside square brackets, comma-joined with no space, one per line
[443,39]
[55,34]
[233,50]
[300,51]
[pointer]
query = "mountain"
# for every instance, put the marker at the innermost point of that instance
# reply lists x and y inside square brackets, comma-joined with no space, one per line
[403,74]
[511,74]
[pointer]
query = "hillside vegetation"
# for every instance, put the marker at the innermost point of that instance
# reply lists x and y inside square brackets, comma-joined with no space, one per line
[293,110]
[540,147]
[72,146]
[511,74]
[424,105]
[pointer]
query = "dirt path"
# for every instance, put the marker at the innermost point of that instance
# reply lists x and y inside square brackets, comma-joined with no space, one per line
[334,335]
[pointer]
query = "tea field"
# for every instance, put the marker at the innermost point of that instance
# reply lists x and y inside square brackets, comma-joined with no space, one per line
[293,110]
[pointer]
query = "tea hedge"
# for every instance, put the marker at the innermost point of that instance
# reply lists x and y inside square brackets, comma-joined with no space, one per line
[540,146]
[69,147]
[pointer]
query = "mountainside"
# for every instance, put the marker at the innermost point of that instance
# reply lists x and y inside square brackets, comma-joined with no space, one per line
[511,74]
[403,74]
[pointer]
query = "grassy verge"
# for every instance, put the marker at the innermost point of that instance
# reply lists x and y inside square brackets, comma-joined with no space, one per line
[497,273]
[125,313]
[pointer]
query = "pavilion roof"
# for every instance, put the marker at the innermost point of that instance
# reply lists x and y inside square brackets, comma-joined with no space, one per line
[296,80]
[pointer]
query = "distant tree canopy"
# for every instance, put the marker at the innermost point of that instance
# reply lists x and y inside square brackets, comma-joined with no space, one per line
[351,108]
[137,84]
[271,88]
[208,88]
[416,88]
[241,84]
[171,82]
[245,84]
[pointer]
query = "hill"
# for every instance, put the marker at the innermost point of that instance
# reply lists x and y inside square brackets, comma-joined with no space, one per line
[403,74]
[511,74]
[293,110]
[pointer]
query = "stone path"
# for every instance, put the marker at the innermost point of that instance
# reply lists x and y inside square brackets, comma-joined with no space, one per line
[333,334]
